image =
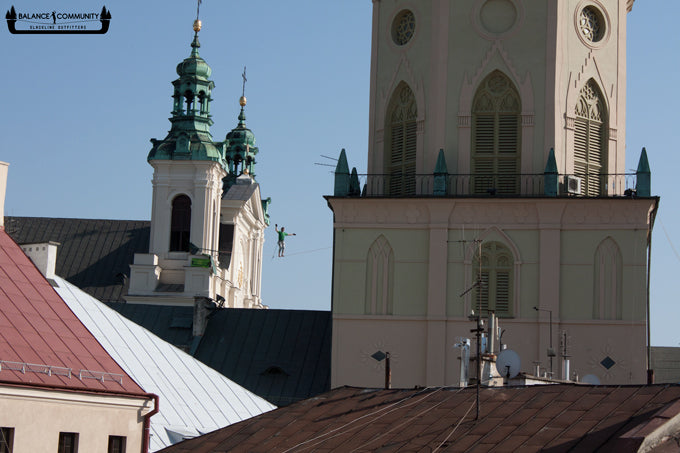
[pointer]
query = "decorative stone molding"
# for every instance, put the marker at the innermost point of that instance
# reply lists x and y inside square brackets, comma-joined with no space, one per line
[613,133]
[569,122]
[464,120]
[499,24]
[528,119]
[380,135]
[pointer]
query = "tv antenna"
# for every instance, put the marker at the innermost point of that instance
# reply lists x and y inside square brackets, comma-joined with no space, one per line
[479,327]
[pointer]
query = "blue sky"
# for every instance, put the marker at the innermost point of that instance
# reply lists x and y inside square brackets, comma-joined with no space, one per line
[78,112]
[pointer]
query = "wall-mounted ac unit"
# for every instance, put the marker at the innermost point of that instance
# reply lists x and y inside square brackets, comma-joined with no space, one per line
[574,184]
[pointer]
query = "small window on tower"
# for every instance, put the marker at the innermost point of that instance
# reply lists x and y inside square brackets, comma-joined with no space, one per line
[180,224]
[226,243]
[403,27]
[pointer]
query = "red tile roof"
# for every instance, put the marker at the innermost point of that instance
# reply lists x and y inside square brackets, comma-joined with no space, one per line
[41,340]
[553,418]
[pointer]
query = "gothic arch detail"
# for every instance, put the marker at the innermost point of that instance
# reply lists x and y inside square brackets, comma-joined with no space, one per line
[591,139]
[494,290]
[496,59]
[511,257]
[608,277]
[401,142]
[496,136]
[379,278]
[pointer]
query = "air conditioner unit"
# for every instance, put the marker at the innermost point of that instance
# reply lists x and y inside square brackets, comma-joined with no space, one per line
[574,184]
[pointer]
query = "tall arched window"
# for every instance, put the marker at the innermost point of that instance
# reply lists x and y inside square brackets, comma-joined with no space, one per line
[497,276]
[590,140]
[379,274]
[180,224]
[608,281]
[496,136]
[402,128]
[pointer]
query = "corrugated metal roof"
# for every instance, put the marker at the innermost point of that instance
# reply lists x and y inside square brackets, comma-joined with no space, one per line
[555,418]
[281,355]
[41,338]
[194,399]
[93,253]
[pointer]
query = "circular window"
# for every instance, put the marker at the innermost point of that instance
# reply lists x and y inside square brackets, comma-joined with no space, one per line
[403,27]
[591,24]
[498,16]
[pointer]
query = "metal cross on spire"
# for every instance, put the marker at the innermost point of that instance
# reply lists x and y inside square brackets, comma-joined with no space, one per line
[198,8]
[243,93]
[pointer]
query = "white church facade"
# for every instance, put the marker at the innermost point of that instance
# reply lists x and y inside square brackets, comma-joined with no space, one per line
[208,218]
[495,126]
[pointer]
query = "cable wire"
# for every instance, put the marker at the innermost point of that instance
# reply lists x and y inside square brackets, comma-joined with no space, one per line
[455,427]
[321,438]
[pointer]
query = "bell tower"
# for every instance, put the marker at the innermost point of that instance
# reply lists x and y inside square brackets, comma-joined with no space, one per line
[187,186]
[496,183]
[207,219]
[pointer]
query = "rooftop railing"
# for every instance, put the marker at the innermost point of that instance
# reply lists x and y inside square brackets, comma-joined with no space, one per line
[485,185]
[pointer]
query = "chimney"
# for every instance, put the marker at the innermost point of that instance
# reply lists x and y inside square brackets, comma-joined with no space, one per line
[44,256]
[3,190]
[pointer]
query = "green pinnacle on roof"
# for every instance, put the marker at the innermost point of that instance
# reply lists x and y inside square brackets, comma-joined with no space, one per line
[341,176]
[189,137]
[643,183]
[441,174]
[550,175]
[354,187]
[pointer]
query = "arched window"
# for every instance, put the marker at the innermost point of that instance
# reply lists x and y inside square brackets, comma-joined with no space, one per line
[180,224]
[402,129]
[379,275]
[496,284]
[590,140]
[608,281]
[496,136]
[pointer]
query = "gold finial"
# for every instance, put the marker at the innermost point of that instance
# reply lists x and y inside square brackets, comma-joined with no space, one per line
[242,100]
[197,25]
[245,171]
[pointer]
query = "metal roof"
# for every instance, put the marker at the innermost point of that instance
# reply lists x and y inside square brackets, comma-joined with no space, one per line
[41,341]
[194,399]
[281,355]
[555,418]
[93,254]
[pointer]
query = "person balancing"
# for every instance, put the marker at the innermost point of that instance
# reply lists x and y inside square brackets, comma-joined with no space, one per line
[282,238]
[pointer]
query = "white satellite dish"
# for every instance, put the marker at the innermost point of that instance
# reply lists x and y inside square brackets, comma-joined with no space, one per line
[590,379]
[508,363]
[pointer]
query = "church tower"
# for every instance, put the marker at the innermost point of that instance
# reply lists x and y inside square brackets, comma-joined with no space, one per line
[496,171]
[189,248]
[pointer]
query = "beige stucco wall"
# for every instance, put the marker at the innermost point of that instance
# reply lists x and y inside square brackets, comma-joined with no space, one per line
[553,242]
[38,416]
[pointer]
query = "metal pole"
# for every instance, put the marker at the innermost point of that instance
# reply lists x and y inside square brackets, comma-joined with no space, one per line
[551,347]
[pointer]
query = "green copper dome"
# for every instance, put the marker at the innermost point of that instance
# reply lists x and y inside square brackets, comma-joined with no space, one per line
[194,65]
[240,149]
[189,137]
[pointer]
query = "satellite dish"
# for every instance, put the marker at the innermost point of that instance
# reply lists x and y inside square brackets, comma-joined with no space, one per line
[590,379]
[508,363]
